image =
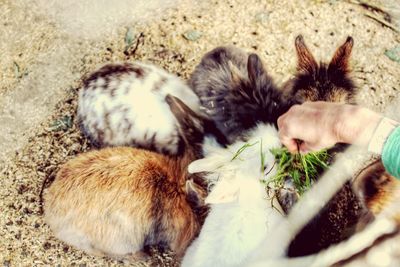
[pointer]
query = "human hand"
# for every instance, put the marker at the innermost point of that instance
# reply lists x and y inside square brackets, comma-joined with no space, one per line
[319,125]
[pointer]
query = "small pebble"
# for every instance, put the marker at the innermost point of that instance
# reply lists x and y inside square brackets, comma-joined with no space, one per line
[129,37]
[192,35]
[17,70]
[46,245]
[393,54]
[22,189]
[262,17]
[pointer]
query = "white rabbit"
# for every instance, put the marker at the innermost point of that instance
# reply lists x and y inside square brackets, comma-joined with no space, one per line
[241,215]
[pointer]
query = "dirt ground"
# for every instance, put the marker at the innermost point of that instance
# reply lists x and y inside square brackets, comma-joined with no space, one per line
[47,46]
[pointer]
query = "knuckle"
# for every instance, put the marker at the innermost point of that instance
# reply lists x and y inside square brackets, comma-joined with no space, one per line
[281,121]
[294,108]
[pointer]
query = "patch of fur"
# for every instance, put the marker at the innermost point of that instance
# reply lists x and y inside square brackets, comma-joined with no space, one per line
[241,215]
[236,91]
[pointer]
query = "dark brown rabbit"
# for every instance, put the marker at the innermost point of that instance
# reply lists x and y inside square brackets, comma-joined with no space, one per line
[380,193]
[321,82]
[318,82]
[378,236]
[116,201]
[377,189]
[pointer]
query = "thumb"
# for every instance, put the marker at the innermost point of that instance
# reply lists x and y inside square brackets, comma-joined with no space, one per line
[306,147]
[289,143]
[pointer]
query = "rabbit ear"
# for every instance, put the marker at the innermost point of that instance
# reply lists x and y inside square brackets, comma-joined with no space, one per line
[208,164]
[190,123]
[223,192]
[340,60]
[306,62]
[255,68]
[195,193]
[237,75]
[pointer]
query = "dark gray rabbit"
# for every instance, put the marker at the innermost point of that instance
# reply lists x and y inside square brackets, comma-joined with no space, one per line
[236,91]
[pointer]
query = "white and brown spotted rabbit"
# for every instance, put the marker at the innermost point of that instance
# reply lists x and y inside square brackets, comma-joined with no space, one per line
[124,105]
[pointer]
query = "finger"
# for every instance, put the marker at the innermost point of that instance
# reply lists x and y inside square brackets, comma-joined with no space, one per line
[290,144]
[304,149]
[282,121]
[307,147]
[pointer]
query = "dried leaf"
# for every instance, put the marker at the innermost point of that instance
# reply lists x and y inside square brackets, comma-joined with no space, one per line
[17,70]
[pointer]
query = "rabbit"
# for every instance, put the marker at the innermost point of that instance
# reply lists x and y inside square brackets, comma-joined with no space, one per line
[241,212]
[377,189]
[376,242]
[115,201]
[378,233]
[321,82]
[123,105]
[235,91]
[377,236]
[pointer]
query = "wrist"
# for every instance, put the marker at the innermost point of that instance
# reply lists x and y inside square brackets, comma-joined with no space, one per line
[356,125]
[380,135]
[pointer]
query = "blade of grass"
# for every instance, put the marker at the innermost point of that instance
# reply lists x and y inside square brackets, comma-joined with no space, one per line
[241,149]
[303,169]
[262,157]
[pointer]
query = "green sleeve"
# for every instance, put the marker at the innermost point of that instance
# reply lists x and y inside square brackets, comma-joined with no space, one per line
[391,153]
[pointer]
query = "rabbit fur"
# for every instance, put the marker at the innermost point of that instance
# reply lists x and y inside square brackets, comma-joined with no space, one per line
[241,215]
[327,82]
[123,104]
[321,82]
[236,91]
[116,201]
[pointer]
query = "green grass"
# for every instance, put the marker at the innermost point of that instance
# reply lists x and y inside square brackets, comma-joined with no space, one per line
[303,169]
[241,149]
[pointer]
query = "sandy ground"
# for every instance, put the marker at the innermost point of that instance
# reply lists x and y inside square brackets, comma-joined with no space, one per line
[44,55]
